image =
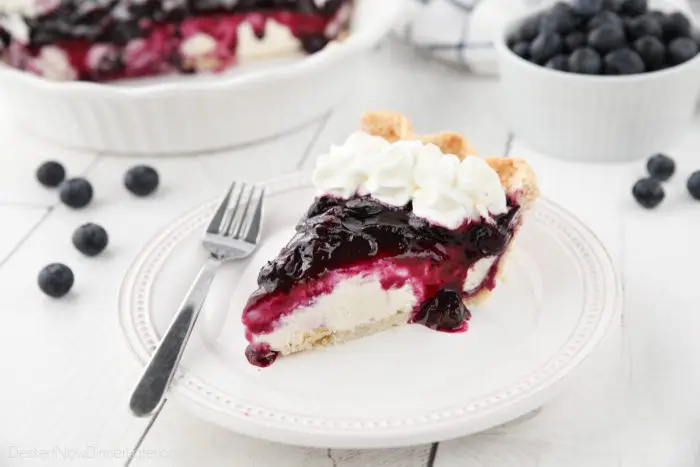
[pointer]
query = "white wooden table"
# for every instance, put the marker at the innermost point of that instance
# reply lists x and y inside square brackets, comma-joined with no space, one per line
[66,371]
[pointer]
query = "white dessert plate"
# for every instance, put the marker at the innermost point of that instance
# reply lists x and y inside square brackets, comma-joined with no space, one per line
[405,386]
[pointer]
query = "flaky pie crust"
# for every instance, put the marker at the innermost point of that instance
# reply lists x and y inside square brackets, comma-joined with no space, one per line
[516,175]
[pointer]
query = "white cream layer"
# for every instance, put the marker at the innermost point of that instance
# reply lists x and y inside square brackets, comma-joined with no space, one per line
[354,301]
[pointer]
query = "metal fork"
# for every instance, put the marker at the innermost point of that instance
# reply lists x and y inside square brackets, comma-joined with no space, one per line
[233,233]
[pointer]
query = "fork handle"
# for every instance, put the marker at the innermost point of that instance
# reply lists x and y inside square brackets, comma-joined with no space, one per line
[149,393]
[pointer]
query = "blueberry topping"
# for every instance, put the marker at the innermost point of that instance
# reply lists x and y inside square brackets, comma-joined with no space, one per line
[50,174]
[633,7]
[652,51]
[312,43]
[558,62]
[585,60]
[545,46]
[623,62]
[645,25]
[56,280]
[90,239]
[606,38]
[76,193]
[676,25]
[694,185]
[605,18]
[141,180]
[648,192]
[522,49]
[262,356]
[681,50]
[587,8]
[443,312]
[574,40]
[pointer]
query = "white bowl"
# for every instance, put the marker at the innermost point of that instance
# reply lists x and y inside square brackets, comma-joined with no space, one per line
[193,114]
[597,118]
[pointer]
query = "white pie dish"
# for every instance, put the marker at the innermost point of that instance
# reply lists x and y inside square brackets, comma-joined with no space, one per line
[560,296]
[190,114]
[597,118]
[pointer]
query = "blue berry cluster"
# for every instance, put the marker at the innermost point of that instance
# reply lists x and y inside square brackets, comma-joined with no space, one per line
[605,37]
[649,192]
[57,279]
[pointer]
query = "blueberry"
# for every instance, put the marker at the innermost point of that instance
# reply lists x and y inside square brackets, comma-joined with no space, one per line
[574,40]
[661,167]
[648,192]
[645,25]
[312,43]
[559,19]
[652,51]
[611,5]
[623,62]
[56,280]
[528,29]
[90,239]
[522,49]
[676,25]
[694,185]
[603,18]
[585,60]
[633,7]
[558,62]
[681,50]
[50,174]
[141,180]
[76,192]
[443,312]
[587,8]
[606,38]
[545,46]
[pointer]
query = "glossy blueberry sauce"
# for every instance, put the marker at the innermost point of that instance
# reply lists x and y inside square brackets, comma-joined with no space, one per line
[338,239]
[111,41]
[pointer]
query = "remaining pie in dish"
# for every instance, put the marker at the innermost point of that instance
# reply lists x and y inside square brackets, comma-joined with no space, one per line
[104,40]
[405,229]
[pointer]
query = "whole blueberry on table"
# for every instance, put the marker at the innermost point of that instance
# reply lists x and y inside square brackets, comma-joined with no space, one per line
[522,49]
[694,185]
[645,25]
[559,19]
[604,18]
[681,50]
[56,280]
[633,7]
[661,167]
[652,51]
[141,180]
[606,38]
[90,239]
[545,46]
[585,60]
[623,62]
[648,192]
[586,8]
[50,174]
[574,40]
[676,25]
[76,192]
[558,62]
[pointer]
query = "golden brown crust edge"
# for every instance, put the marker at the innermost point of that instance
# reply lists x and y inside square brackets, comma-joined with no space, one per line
[517,177]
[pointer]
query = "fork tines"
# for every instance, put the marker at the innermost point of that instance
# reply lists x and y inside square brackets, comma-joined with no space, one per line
[239,213]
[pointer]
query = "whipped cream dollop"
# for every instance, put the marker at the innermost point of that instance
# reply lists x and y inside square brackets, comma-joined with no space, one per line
[444,189]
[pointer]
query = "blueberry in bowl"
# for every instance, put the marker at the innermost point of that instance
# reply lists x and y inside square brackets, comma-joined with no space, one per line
[607,82]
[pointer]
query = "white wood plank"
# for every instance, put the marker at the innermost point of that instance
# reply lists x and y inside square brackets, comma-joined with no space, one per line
[17,223]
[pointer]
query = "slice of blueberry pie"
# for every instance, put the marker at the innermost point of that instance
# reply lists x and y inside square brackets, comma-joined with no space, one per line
[405,229]
[104,40]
